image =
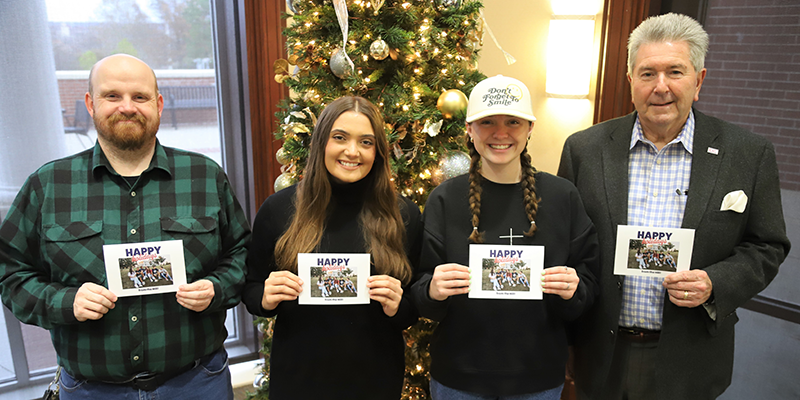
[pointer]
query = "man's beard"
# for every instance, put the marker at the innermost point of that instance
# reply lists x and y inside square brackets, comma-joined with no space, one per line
[127,137]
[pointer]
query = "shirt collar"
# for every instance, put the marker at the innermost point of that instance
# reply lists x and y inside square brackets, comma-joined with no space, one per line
[686,137]
[159,160]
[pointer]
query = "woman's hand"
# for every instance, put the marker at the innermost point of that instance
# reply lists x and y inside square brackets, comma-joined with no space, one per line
[561,280]
[280,286]
[386,290]
[449,280]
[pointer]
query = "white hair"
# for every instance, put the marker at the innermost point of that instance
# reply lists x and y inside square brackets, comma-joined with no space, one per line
[670,28]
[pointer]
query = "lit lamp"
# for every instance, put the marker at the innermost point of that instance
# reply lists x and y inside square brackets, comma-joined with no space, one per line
[570,46]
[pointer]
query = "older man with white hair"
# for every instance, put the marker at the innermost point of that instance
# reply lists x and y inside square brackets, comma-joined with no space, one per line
[668,165]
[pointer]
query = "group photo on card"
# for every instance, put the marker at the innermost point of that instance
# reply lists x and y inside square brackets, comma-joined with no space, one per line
[135,269]
[333,278]
[505,272]
[648,251]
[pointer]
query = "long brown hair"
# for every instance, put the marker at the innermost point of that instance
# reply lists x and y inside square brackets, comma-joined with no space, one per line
[528,190]
[384,232]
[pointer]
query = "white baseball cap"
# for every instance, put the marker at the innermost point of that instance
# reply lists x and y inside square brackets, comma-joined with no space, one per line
[500,95]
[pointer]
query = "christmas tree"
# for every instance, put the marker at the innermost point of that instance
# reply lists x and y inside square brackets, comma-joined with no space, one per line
[414,59]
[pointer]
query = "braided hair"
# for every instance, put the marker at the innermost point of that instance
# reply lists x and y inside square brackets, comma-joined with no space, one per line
[528,190]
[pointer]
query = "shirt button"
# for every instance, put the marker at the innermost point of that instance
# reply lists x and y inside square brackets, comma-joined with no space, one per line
[133,231]
[133,194]
[641,320]
[655,194]
[135,358]
[658,162]
[611,332]
[134,318]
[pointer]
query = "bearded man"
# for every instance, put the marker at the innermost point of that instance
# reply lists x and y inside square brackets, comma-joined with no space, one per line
[128,189]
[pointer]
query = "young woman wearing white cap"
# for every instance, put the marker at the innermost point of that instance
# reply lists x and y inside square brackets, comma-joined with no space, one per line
[490,348]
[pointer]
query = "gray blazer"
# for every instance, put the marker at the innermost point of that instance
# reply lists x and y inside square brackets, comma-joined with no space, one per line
[740,252]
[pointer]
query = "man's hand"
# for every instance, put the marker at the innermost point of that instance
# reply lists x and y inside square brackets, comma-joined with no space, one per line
[196,296]
[449,280]
[688,288]
[92,302]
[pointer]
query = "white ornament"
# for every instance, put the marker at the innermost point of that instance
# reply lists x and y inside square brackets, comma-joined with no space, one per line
[432,129]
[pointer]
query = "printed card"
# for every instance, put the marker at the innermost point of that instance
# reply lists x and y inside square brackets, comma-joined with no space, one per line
[333,278]
[648,251]
[505,272]
[136,269]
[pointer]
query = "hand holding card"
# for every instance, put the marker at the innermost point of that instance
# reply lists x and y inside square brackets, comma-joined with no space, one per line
[333,278]
[449,280]
[280,286]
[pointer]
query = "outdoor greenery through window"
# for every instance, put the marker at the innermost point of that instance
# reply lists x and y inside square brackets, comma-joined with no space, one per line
[172,36]
[167,34]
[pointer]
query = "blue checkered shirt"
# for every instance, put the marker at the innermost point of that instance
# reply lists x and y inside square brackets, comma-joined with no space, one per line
[658,183]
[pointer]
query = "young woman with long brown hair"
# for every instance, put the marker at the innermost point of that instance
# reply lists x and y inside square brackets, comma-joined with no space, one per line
[346,203]
[492,348]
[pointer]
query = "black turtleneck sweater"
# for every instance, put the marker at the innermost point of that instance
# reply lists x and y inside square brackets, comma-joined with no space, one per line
[330,352]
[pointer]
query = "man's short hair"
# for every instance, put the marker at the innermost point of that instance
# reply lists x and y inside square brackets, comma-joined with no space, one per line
[670,28]
[91,72]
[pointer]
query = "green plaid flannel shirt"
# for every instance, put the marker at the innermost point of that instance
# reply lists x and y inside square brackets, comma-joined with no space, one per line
[51,242]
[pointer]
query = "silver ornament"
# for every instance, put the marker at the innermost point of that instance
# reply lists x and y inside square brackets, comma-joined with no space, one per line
[451,165]
[379,49]
[260,380]
[291,5]
[283,181]
[339,65]
[448,4]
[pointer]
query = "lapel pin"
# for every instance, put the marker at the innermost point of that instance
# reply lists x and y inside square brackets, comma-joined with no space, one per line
[713,151]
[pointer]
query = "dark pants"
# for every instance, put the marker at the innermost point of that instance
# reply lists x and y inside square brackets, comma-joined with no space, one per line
[209,379]
[442,392]
[633,372]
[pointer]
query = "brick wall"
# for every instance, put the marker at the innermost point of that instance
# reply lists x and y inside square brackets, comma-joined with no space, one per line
[754,75]
[73,89]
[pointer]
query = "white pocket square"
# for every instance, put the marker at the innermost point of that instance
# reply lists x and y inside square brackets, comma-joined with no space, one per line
[734,201]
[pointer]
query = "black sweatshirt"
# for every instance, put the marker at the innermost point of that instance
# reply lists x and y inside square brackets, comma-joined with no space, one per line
[505,347]
[330,352]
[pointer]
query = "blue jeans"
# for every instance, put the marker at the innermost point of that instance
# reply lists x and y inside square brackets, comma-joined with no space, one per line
[209,379]
[442,392]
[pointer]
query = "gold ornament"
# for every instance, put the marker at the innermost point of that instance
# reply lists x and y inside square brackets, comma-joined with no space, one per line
[282,68]
[294,128]
[283,181]
[282,156]
[377,4]
[379,50]
[452,102]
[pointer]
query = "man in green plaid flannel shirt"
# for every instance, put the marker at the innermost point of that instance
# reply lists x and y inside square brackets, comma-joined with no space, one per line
[127,189]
